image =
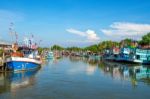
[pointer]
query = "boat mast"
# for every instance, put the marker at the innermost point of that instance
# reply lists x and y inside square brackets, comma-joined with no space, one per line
[11,31]
[16,36]
[39,42]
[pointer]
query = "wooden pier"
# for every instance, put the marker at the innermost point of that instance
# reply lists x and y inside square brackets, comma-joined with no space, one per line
[4,52]
[2,63]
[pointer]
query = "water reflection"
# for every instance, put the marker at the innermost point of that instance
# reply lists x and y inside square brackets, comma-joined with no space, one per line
[89,69]
[85,60]
[77,78]
[130,72]
[13,81]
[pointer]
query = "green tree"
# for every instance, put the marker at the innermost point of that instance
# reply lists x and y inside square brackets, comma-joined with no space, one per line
[93,48]
[1,52]
[145,39]
[74,49]
[40,49]
[126,42]
[57,47]
[107,45]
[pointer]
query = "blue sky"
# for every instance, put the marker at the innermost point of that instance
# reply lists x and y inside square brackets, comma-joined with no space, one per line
[75,22]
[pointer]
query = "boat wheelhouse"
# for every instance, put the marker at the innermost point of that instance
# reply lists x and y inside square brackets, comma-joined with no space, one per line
[142,56]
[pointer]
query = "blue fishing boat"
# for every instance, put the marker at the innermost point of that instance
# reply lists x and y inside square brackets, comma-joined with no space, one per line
[125,55]
[130,55]
[22,63]
[23,58]
[142,56]
[136,55]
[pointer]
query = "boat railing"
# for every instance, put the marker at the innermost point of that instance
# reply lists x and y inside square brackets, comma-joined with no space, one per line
[141,51]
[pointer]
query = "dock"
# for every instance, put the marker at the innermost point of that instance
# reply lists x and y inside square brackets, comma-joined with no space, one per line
[4,52]
[2,63]
[2,66]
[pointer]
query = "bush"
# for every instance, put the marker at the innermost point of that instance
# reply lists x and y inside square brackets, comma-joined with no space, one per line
[1,52]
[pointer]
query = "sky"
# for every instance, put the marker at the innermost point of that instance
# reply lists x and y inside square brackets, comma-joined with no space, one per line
[74,22]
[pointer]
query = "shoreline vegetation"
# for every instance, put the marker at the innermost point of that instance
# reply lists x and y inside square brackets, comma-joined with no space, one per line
[144,43]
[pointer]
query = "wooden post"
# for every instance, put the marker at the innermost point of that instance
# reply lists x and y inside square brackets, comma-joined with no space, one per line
[3,59]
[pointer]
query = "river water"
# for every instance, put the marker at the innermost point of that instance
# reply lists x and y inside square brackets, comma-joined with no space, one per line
[78,78]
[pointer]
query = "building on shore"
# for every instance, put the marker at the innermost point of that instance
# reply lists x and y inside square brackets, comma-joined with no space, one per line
[4,44]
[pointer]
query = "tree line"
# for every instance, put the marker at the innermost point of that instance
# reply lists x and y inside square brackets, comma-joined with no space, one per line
[107,45]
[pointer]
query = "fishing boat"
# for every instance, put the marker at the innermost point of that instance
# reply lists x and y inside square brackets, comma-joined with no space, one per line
[130,55]
[111,54]
[142,56]
[22,63]
[23,58]
[57,54]
[95,56]
[125,55]
[49,55]
[136,55]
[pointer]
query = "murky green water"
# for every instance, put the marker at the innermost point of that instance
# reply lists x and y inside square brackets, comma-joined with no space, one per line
[78,78]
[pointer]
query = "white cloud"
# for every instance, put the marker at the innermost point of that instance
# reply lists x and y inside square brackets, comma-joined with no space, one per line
[90,35]
[126,29]
[76,32]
